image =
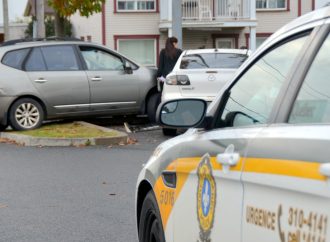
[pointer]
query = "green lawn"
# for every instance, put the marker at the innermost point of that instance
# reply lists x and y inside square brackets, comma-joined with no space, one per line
[69,130]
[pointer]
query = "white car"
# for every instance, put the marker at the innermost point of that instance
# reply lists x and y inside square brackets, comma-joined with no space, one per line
[202,73]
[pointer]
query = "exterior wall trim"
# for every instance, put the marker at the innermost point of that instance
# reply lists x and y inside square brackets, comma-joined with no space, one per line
[104,35]
[215,36]
[115,10]
[247,37]
[299,8]
[156,37]
[313,4]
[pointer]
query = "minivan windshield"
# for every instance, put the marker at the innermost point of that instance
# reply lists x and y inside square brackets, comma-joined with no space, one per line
[212,60]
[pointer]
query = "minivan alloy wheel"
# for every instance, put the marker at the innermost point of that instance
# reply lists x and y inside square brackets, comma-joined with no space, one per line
[26,114]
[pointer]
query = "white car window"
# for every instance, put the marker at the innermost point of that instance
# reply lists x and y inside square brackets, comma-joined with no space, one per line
[212,60]
[313,102]
[253,96]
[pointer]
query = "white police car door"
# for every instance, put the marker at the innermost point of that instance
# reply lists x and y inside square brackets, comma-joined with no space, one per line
[286,175]
[209,188]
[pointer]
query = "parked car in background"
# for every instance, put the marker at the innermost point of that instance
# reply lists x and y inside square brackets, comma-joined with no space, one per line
[201,74]
[45,80]
[257,167]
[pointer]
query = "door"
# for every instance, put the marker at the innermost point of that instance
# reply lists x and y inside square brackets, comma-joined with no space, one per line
[111,87]
[209,193]
[59,79]
[286,175]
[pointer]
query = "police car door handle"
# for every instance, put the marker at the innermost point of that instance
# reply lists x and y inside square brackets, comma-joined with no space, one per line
[325,169]
[227,159]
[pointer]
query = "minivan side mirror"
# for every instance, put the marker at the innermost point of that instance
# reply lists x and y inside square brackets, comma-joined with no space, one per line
[182,113]
[128,68]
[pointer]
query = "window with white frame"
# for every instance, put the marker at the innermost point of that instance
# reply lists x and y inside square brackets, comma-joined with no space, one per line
[136,5]
[271,4]
[260,40]
[143,51]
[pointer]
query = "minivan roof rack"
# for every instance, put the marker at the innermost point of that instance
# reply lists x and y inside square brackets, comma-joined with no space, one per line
[52,38]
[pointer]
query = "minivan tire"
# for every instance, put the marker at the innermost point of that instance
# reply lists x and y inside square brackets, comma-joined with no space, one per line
[169,132]
[26,114]
[152,106]
[3,127]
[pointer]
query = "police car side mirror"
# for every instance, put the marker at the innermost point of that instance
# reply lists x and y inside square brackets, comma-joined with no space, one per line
[182,113]
[128,68]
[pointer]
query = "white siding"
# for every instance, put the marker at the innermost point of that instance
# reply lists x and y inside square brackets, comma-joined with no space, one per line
[16,31]
[270,21]
[129,23]
[91,26]
[306,6]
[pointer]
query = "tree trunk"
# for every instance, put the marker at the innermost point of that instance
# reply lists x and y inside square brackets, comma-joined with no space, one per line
[5,19]
[59,26]
[41,32]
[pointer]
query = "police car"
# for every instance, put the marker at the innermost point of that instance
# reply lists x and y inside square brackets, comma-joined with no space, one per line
[257,165]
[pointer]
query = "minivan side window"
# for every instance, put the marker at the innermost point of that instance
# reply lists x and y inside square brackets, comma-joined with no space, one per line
[97,60]
[15,58]
[35,61]
[60,58]
[313,101]
[252,98]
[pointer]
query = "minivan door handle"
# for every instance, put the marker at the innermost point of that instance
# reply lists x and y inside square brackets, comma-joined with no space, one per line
[228,159]
[325,169]
[40,80]
[96,79]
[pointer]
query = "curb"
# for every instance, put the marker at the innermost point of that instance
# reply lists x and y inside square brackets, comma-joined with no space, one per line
[27,140]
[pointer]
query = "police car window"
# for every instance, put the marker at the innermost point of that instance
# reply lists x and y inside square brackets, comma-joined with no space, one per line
[97,59]
[15,58]
[212,60]
[313,101]
[252,98]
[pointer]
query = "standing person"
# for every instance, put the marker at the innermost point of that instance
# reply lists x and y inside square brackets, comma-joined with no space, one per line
[167,59]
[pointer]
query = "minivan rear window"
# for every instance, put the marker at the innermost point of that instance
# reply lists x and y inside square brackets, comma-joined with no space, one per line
[15,58]
[212,60]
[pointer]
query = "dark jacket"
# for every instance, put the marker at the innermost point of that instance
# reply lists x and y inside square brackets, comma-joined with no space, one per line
[166,64]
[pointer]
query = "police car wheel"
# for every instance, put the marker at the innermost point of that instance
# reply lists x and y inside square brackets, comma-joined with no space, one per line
[150,224]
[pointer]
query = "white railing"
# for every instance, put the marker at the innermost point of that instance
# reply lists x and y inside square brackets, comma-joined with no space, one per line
[216,9]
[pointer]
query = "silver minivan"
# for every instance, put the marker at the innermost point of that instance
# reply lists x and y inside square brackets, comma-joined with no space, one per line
[44,80]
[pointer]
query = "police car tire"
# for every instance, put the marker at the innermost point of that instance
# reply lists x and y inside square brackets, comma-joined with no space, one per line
[150,224]
[152,106]
[169,132]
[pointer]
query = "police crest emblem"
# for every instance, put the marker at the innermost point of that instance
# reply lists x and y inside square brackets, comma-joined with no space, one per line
[206,198]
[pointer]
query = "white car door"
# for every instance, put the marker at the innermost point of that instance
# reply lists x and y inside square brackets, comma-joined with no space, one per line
[287,171]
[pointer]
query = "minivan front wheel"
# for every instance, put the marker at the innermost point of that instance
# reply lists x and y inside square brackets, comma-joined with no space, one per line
[3,127]
[26,114]
[152,106]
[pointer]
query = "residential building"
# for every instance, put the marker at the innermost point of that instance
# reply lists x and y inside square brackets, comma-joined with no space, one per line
[139,28]
[16,31]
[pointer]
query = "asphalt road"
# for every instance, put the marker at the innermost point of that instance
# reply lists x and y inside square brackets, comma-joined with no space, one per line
[71,194]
